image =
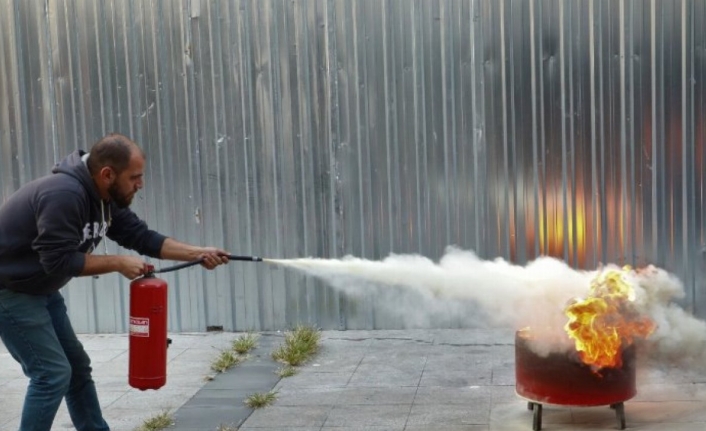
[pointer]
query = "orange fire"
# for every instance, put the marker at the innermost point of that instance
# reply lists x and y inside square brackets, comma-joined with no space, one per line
[606,320]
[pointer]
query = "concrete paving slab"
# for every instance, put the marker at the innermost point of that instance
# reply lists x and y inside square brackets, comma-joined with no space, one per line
[376,395]
[375,415]
[319,396]
[289,416]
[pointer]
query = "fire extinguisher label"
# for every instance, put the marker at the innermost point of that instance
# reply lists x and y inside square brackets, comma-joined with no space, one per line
[139,326]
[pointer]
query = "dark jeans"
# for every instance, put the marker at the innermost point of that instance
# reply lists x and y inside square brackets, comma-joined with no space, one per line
[37,332]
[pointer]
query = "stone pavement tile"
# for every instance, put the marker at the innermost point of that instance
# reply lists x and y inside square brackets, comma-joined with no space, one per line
[503,375]
[217,397]
[340,363]
[252,379]
[600,416]
[162,399]
[376,395]
[365,428]
[386,376]
[503,394]
[402,359]
[503,356]
[11,408]
[126,419]
[672,392]
[10,424]
[461,358]
[16,385]
[401,336]
[106,382]
[358,339]
[104,356]
[187,382]
[380,415]
[516,415]
[315,380]
[440,415]
[456,378]
[321,396]
[474,337]
[293,416]
[398,350]
[661,426]
[107,397]
[448,427]
[362,336]
[277,428]
[208,418]
[465,395]
[665,411]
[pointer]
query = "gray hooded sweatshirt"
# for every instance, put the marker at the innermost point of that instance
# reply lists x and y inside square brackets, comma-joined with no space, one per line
[49,225]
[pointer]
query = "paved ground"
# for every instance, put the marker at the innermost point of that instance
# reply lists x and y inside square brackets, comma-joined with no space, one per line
[362,380]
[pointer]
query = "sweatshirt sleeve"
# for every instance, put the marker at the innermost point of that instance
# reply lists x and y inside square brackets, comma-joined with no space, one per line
[130,232]
[59,233]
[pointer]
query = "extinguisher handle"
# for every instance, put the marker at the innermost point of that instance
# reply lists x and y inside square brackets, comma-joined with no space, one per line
[196,262]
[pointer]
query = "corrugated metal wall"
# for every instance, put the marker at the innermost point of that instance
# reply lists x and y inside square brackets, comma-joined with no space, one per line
[324,128]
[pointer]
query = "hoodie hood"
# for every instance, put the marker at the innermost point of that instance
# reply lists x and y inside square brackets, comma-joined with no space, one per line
[74,165]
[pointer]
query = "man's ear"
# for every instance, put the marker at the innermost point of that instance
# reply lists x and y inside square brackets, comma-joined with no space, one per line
[106,174]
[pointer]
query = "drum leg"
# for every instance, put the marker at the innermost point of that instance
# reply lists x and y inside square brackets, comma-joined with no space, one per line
[537,421]
[619,414]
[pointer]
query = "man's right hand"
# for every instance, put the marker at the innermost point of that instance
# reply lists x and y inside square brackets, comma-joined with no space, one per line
[132,267]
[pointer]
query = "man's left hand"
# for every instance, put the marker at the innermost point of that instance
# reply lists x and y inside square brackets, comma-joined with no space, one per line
[212,257]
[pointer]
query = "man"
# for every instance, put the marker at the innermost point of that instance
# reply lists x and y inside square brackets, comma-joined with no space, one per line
[48,230]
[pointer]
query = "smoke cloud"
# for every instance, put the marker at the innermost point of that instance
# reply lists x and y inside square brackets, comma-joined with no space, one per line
[464,290]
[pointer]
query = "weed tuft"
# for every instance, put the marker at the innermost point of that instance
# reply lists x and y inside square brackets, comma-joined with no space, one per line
[245,343]
[300,345]
[260,400]
[157,423]
[286,371]
[227,359]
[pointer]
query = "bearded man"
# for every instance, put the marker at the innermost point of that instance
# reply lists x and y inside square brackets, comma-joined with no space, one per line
[48,231]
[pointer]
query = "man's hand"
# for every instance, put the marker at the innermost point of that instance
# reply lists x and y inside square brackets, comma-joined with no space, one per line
[131,266]
[212,257]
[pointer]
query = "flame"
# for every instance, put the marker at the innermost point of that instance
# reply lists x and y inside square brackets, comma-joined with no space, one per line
[606,319]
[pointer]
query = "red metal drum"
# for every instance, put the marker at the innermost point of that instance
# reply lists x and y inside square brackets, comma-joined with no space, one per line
[563,379]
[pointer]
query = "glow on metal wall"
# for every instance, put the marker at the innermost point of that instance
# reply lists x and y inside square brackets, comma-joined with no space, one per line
[324,128]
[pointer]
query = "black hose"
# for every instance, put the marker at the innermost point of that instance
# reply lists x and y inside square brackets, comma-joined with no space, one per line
[196,262]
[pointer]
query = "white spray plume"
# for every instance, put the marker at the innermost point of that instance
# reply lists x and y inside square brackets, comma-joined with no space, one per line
[511,296]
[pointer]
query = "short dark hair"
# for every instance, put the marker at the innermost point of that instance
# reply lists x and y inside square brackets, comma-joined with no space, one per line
[113,150]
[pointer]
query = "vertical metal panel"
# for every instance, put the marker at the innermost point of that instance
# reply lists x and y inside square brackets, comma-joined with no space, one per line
[332,127]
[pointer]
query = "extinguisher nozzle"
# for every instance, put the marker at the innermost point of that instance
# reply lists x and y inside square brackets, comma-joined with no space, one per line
[245,258]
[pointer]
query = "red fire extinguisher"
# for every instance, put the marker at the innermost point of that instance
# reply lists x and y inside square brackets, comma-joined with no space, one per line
[147,367]
[148,332]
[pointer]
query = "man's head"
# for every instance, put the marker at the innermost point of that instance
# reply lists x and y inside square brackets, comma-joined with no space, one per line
[116,164]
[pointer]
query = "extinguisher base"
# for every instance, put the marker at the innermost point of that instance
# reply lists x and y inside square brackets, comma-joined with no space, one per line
[146,383]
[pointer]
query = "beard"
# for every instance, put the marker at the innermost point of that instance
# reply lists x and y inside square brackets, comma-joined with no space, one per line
[121,200]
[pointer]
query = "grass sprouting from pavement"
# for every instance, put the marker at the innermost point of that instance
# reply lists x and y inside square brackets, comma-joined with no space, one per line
[227,359]
[245,343]
[286,371]
[157,422]
[259,400]
[300,345]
